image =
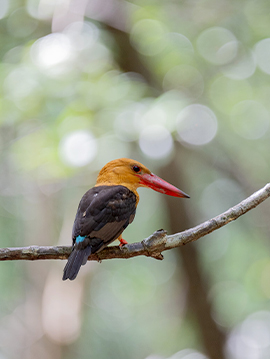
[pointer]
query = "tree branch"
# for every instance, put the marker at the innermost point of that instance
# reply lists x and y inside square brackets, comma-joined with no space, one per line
[152,246]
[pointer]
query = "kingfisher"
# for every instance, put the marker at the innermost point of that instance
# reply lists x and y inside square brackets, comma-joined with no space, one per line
[107,209]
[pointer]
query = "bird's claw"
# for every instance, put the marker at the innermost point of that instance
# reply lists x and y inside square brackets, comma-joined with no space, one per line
[122,242]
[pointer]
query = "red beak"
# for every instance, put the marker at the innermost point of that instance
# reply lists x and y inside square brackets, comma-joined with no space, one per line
[159,185]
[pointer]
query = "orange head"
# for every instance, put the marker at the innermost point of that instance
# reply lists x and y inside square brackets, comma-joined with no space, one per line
[132,174]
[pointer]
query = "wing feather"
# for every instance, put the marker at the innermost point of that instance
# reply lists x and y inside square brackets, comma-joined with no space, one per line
[104,212]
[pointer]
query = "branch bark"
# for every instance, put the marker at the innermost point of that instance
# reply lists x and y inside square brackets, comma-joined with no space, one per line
[152,246]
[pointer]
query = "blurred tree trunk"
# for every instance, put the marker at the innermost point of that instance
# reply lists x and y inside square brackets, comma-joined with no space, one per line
[130,61]
[212,337]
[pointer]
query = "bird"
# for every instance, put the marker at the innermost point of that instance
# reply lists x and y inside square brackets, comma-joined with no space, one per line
[106,210]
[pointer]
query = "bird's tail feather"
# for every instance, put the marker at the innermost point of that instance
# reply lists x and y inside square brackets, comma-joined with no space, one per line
[77,258]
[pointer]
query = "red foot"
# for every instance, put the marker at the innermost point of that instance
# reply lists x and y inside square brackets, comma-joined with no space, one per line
[122,242]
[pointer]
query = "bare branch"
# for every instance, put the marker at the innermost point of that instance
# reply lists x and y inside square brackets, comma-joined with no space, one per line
[151,246]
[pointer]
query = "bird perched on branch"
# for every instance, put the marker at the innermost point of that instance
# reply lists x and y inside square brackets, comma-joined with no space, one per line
[109,207]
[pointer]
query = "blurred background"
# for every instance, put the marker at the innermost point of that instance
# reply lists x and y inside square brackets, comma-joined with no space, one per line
[181,86]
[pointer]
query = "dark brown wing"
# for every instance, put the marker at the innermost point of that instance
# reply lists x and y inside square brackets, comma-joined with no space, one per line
[103,213]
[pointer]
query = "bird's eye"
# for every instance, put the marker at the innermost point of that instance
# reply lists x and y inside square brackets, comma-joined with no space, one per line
[136,169]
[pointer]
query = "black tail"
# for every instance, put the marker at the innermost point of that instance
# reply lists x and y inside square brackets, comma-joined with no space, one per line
[77,258]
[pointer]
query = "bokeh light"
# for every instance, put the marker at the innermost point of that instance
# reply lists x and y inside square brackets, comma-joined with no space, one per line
[217,45]
[188,354]
[156,141]
[82,34]
[197,125]
[262,52]
[4,7]
[182,44]
[127,121]
[251,338]
[51,50]
[148,37]
[243,65]
[42,10]
[78,148]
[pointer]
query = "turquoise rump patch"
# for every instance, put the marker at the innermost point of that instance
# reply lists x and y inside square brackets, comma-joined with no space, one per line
[80,239]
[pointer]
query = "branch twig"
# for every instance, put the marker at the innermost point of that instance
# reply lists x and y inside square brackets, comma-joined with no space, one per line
[151,246]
